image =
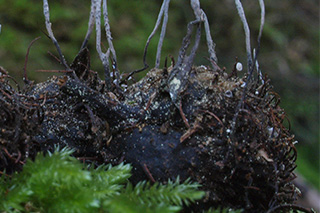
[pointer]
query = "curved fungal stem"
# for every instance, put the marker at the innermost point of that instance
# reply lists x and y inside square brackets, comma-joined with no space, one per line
[263,12]
[179,75]
[46,13]
[256,51]
[251,66]
[162,13]
[104,57]
[247,33]
[163,32]
[201,15]
[109,39]
[90,25]
[257,66]
[210,44]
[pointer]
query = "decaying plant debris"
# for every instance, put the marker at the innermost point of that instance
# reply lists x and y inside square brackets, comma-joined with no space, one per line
[225,132]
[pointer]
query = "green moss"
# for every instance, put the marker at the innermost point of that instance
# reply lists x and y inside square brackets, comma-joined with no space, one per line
[58,182]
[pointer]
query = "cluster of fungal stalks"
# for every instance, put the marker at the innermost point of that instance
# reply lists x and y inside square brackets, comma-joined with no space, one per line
[223,131]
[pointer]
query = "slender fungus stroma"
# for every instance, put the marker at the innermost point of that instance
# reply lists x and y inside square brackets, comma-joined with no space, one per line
[208,124]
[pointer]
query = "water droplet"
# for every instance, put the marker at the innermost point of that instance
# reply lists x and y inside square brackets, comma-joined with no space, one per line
[239,66]
[228,94]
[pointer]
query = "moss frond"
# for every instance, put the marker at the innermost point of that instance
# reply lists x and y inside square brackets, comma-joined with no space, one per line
[158,196]
[57,182]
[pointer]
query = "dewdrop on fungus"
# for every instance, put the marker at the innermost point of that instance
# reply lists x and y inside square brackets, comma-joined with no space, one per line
[228,94]
[239,66]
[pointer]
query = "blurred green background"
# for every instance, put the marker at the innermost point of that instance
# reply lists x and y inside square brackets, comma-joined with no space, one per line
[289,51]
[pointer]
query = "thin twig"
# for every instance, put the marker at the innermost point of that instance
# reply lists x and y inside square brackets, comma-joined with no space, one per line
[148,173]
[50,33]
[92,121]
[90,25]
[5,75]
[53,56]
[184,118]
[195,127]
[25,77]
[216,117]
[132,73]
[3,71]
[246,31]
[152,97]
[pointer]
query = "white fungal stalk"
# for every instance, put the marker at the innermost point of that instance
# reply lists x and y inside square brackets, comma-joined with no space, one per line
[90,25]
[109,38]
[104,57]
[163,32]
[246,31]
[200,15]
[263,12]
